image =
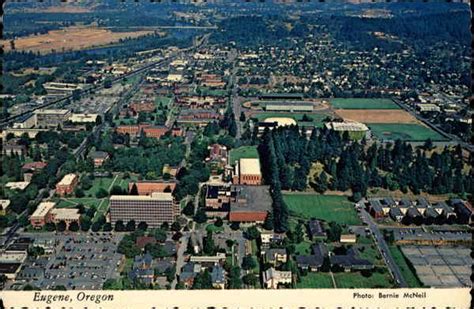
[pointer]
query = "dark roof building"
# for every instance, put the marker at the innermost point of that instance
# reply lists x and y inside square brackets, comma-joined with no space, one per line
[249,203]
[315,229]
[350,261]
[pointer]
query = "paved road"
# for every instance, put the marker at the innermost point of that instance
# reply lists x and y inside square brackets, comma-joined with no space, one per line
[383,247]
[180,257]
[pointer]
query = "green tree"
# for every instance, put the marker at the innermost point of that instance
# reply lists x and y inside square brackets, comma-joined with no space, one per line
[61,226]
[130,227]
[101,193]
[248,262]
[74,226]
[200,216]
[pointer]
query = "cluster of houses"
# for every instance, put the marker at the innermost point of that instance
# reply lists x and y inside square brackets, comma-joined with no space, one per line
[151,271]
[420,210]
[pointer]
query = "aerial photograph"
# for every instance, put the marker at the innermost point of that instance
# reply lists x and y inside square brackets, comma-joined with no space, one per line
[199,145]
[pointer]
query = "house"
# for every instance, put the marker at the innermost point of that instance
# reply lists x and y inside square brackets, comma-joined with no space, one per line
[275,256]
[315,261]
[350,261]
[218,277]
[98,157]
[375,208]
[396,214]
[268,238]
[463,210]
[142,241]
[217,156]
[444,209]
[142,269]
[272,278]
[33,166]
[316,230]
[188,273]
[13,147]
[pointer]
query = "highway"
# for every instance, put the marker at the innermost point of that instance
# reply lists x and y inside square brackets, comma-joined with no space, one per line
[383,248]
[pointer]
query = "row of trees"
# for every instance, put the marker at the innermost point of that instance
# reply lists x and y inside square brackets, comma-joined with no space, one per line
[287,155]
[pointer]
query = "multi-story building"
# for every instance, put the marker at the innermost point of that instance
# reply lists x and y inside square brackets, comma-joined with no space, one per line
[40,217]
[67,184]
[149,187]
[249,204]
[154,209]
[68,215]
[51,118]
[247,172]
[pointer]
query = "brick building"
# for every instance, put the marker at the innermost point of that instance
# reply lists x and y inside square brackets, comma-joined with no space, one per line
[67,184]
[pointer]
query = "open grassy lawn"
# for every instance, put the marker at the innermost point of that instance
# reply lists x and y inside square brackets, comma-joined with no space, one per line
[163,100]
[410,277]
[212,92]
[370,253]
[303,248]
[404,131]
[356,280]
[360,103]
[325,207]
[316,119]
[73,202]
[243,152]
[100,182]
[102,209]
[315,281]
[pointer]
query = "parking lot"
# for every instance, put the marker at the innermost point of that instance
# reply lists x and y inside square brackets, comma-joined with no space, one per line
[441,266]
[80,262]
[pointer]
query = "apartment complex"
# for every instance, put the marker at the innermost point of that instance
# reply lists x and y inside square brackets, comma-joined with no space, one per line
[153,209]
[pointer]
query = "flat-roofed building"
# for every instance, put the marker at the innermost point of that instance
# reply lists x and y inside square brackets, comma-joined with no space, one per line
[3,207]
[289,106]
[154,209]
[83,118]
[40,216]
[247,172]
[67,184]
[356,130]
[249,204]
[149,187]
[51,118]
[17,185]
[68,215]
[60,89]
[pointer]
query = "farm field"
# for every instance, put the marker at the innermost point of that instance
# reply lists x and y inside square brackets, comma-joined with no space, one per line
[315,281]
[404,131]
[360,103]
[376,116]
[317,119]
[243,152]
[70,38]
[410,277]
[356,280]
[325,207]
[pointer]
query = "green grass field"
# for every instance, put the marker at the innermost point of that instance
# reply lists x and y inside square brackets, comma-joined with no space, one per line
[360,103]
[303,248]
[356,280]
[212,92]
[317,119]
[315,281]
[73,202]
[403,131]
[165,101]
[243,152]
[325,207]
[99,182]
[410,277]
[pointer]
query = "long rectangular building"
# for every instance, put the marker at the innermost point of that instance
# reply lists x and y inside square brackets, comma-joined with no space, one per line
[154,209]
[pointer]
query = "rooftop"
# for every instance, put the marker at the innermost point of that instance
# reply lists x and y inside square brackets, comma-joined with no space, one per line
[250,166]
[42,209]
[250,198]
[67,180]
[155,196]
